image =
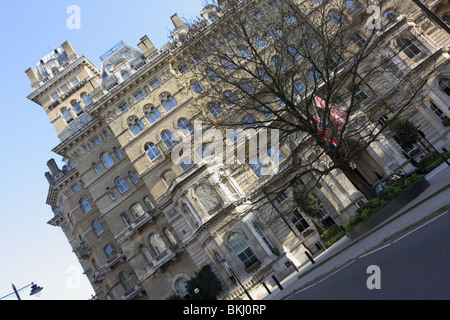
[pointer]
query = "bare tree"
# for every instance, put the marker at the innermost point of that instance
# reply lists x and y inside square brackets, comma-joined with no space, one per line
[323,73]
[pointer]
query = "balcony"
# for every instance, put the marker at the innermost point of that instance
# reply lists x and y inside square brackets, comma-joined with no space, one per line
[115,260]
[140,222]
[132,293]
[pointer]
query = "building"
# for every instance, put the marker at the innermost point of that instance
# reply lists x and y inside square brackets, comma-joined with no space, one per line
[141,224]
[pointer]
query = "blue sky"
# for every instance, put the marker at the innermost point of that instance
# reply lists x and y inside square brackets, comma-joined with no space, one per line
[30,249]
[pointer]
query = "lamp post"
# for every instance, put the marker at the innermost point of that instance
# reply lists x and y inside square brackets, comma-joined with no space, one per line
[230,271]
[35,289]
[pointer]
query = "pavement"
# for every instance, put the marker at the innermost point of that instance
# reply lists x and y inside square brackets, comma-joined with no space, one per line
[434,201]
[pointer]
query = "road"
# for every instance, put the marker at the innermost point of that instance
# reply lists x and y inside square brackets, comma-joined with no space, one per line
[413,266]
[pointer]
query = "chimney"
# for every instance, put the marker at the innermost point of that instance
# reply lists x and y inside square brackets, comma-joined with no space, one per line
[68,49]
[177,21]
[146,46]
[32,76]
[49,177]
[53,167]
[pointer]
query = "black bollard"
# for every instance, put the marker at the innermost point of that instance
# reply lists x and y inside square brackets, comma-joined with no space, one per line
[265,286]
[277,283]
[309,257]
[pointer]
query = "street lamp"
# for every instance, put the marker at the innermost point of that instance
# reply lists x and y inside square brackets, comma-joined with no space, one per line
[35,290]
[231,272]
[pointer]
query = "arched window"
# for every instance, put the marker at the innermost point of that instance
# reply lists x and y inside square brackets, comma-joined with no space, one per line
[157,244]
[390,15]
[152,151]
[197,87]
[293,52]
[242,250]
[181,286]
[169,103]
[121,184]
[444,85]
[107,160]
[351,5]
[214,109]
[126,280]
[66,115]
[168,139]
[85,206]
[408,47]
[230,98]
[109,251]
[97,227]
[185,126]
[259,42]
[152,115]
[136,126]
[278,63]
[76,108]
[207,197]
[86,99]
[336,17]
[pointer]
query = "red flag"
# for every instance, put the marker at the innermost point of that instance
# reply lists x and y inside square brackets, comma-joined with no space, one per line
[336,116]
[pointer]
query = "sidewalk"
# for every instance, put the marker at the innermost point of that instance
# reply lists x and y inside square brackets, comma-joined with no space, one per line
[429,204]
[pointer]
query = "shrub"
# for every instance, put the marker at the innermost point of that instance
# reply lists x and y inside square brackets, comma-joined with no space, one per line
[307,201]
[330,232]
[206,281]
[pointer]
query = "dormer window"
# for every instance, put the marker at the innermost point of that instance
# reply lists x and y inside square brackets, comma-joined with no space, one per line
[108,68]
[128,56]
[125,75]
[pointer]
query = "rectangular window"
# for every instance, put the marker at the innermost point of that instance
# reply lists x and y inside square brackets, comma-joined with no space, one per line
[138,96]
[123,107]
[96,141]
[359,40]
[75,188]
[299,222]
[54,95]
[281,198]
[74,81]
[155,84]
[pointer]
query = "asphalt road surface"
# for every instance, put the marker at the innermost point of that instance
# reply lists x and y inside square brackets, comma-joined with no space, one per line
[413,266]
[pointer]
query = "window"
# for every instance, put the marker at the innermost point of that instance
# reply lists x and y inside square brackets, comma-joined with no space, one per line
[126,280]
[181,286]
[111,193]
[228,64]
[444,85]
[170,236]
[97,227]
[136,127]
[168,177]
[351,5]
[107,160]
[293,52]
[155,84]
[74,81]
[259,15]
[158,244]
[290,21]
[336,17]
[299,87]
[96,141]
[244,53]
[390,15]
[278,63]
[196,87]
[109,251]
[275,32]
[125,75]
[258,168]
[122,185]
[282,197]
[408,47]
[148,203]
[264,238]
[66,115]
[123,107]
[249,122]
[185,164]
[133,177]
[138,96]
[169,103]
[359,40]
[54,95]
[118,153]
[185,126]
[128,56]
[152,151]
[153,115]
[435,110]
[168,139]
[259,42]
[125,219]
[96,168]
[212,76]
[75,188]
[242,250]
[214,110]
[86,99]
[137,210]
[207,197]
[85,206]
[203,151]
[299,222]
[230,98]
[360,95]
